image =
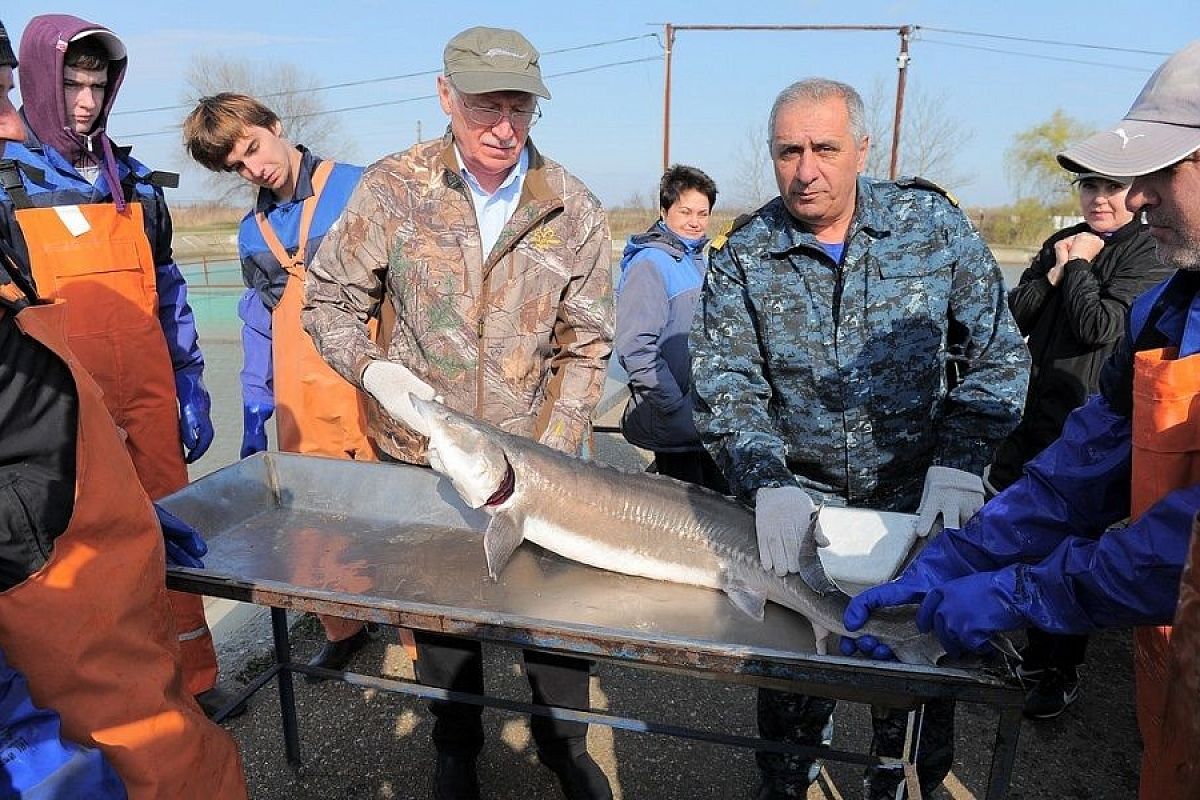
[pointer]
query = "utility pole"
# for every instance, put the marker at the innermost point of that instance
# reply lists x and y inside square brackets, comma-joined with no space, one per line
[901,79]
[902,60]
[668,41]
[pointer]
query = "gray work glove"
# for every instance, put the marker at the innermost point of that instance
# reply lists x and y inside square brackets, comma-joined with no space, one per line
[391,384]
[783,516]
[952,493]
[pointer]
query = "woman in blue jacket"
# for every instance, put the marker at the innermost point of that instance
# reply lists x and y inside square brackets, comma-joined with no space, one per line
[662,271]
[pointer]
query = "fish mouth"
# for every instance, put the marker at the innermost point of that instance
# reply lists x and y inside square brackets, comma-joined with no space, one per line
[505,490]
[426,408]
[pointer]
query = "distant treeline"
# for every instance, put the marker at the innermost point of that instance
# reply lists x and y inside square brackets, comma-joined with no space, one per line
[1025,223]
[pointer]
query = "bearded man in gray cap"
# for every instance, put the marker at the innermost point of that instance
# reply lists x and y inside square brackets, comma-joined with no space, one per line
[1042,554]
[487,266]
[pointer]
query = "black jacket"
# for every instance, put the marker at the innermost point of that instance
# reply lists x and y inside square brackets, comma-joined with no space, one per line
[1070,330]
[38,425]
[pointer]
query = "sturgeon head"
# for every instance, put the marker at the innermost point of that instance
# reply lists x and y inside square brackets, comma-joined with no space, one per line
[471,456]
[459,449]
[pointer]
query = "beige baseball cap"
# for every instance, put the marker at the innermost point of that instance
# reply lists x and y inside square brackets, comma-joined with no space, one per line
[1161,128]
[481,60]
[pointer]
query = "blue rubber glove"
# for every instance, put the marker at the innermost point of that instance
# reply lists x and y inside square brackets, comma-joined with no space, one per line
[866,646]
[942,560]
[254,427]
[195,422]
[967,613]
[185,546]
[939,562]
[36,763]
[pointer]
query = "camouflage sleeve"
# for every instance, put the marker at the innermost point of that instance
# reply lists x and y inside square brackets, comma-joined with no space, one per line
[986,404]
[583,335]
[730,388]
[345,283]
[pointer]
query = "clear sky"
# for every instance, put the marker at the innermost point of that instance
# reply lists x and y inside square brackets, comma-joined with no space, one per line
[606,124]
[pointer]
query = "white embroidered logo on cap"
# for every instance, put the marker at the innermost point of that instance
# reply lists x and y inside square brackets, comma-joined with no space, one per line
[500,51]
[1126,138]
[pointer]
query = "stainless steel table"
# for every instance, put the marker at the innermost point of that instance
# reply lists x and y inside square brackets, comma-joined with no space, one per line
[395,545]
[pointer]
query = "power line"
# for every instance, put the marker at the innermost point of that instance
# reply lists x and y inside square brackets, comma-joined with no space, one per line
[1041,56]
[367,81]
[382,103]
[1044,41]
[286,92]
[175,128]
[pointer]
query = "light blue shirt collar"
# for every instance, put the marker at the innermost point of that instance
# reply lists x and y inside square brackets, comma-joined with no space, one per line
[493,211]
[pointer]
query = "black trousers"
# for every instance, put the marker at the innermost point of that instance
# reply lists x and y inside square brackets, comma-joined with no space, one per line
[39,416]
[1054,650]
[800,719]
[693,466]
[455,663]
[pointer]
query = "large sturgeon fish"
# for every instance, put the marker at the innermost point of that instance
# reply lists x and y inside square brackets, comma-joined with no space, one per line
[634,523]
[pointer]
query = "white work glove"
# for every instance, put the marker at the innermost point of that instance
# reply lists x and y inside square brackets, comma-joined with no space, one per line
[391,384]
[782,518]
[954,494]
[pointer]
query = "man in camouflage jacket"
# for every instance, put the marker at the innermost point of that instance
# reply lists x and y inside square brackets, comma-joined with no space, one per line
[489,265]
[520,339]
[853,344]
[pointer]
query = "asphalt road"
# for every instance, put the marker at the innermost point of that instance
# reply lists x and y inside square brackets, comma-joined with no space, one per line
[362,743]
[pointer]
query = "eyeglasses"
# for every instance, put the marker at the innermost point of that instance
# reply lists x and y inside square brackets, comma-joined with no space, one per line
[490,117]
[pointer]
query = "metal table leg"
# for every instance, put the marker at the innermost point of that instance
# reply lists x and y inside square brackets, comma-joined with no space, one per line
[912,750]
[1004,754]
[287,693]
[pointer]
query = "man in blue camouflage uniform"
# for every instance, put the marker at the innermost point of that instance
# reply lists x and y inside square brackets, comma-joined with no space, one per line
[853,345]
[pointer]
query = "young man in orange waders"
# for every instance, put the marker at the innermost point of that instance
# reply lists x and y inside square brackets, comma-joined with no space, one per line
[84,613]
[109,253]
[317,411]
[1041,553]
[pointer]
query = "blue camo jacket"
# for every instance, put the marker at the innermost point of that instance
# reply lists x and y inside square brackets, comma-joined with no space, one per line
[834,377]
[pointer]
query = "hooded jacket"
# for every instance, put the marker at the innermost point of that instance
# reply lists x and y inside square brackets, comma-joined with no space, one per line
[661,276]
[49,176]
[43,52]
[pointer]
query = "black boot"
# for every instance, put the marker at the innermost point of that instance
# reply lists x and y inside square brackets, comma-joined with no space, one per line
[455,778]
[213,700]
[336,655]
[579,776]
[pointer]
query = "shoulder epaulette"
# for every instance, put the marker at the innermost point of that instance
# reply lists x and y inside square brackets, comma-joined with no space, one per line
[720,239]
[163,180]
[916,182]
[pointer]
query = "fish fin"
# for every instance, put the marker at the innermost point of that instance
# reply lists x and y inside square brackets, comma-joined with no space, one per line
[924,649]
[1006,648]
[751,602]
[500,540]
[820,638]
[812,571]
